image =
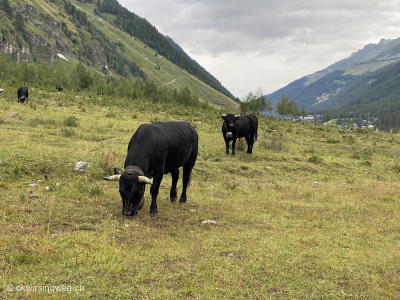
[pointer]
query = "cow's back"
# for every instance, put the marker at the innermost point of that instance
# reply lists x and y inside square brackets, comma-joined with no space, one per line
[247,124]
[168,143]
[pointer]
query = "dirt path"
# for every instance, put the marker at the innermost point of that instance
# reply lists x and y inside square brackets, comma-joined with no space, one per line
[171,81]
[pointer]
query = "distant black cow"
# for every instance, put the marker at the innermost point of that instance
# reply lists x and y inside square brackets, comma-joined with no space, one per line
[22,94]
[100,93]
[239,126]
[156,149]
[59,88]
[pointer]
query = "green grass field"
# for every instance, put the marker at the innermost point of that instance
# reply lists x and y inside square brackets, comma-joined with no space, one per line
[313,213]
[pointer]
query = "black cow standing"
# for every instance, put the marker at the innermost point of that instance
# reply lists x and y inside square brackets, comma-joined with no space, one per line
[59,88]
[156,149]
[22,94]
[239,126]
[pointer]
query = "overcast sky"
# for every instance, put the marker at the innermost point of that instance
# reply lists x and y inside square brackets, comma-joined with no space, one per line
[248,44]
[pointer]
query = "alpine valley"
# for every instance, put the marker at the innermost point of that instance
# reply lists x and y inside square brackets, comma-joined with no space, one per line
[108,39]
[364,86]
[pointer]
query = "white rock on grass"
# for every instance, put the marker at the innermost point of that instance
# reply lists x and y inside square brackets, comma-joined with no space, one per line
[81,166]
[209,222]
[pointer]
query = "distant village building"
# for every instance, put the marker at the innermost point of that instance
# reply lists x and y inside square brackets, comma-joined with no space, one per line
[309,118]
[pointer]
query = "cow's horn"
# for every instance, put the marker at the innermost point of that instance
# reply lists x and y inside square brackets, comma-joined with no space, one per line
[112,178]
[222,115]
[237,116]
[144,179]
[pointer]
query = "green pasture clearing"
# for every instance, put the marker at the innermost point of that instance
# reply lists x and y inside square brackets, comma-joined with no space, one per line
[367,67]
[145,58]
[313,213]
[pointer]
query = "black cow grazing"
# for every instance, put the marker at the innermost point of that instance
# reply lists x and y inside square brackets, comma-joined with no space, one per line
[23,94]
[238,126]
[156,149]
[100,93]
[59,88]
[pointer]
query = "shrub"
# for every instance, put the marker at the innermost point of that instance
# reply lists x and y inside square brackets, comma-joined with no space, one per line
[107,161]
[203,154]
[363,153]
[71,121]
[315,156]
[351,139]
[396,168]
[275,144]
[111,114]
[67,131]
[38,121]
[330,140]
[316,159]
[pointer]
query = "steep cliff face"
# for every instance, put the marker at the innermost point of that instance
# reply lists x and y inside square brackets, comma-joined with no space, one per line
[45,38]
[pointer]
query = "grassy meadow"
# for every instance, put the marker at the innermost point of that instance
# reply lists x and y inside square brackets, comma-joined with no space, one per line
[313,213]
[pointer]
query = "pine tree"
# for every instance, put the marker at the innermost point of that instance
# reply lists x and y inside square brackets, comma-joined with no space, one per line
[6,7]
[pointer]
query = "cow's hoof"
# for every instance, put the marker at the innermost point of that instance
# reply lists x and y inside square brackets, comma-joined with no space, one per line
[155,215]
[182,203]
[173,199]
[233,154]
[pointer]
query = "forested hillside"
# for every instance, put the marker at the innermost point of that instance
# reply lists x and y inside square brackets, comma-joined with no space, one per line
[373,96]
[101,89]
[141,28]
[364,86]
[40,32]
[324,89]
[226,92]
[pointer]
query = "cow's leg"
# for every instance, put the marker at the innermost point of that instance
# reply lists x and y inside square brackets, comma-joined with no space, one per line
[187,170]
[175,177]
[251,143]
[154,193]
[123,207]
[233,146]
[227,146]
[247,137]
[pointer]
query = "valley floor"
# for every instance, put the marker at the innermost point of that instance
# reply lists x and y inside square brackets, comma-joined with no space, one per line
[313,213]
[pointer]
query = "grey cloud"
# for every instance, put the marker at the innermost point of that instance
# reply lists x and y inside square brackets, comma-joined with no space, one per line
[294,34]
[236,26]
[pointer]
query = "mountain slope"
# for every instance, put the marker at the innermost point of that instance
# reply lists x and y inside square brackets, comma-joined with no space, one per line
[225,91]
[37,30]
[323,89]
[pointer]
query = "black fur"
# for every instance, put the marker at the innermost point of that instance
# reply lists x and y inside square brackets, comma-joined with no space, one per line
[23,94]
[239,126]
[158,149]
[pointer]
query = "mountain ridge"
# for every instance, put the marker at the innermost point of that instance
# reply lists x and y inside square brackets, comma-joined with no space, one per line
[315,91]
[76,31]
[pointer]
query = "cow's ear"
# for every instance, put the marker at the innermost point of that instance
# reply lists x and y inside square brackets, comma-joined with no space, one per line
[116,172]
[150,175]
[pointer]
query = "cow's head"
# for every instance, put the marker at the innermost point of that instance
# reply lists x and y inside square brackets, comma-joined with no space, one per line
[131,189]
[230,120]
